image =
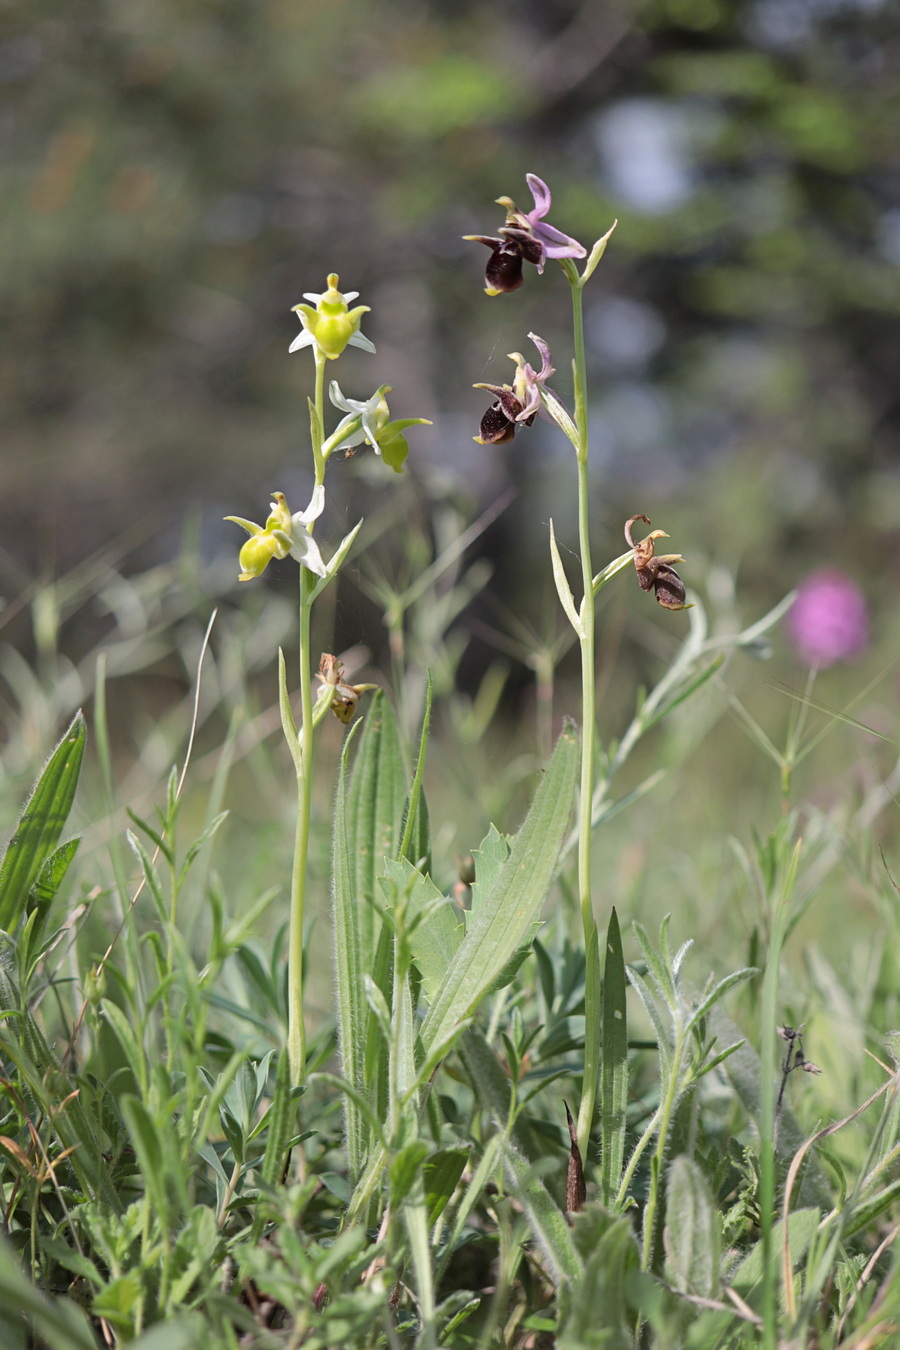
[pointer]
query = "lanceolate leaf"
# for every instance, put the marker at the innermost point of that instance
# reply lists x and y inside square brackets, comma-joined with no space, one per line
[366,832]
[547,1220]
[614,1066]
[352,1007]
[40,824]
[505,916]
[691,1234]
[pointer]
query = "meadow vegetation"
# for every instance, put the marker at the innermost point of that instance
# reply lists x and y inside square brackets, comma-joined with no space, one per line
[534,1040]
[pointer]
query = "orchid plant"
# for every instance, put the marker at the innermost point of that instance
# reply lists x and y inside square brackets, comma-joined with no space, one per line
[529,237]
[328,327]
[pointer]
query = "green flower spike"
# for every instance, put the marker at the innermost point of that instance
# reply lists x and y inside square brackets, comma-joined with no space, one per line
[331,326]
[283,534]
[385,437]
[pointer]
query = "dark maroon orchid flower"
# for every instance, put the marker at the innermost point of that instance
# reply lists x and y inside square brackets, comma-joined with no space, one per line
[516,404]
[526,237]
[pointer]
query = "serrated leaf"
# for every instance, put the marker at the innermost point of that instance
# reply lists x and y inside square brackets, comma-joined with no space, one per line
[435,923]
[488,861]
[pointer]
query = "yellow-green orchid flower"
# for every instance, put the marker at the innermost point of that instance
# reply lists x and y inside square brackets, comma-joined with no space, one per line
[385,437]
[283,534]
[331,326]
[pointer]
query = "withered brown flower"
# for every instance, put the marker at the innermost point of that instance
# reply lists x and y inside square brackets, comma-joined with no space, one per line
[656,573]
[345,696]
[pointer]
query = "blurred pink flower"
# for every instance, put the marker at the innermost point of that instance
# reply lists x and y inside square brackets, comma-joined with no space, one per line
[829,620]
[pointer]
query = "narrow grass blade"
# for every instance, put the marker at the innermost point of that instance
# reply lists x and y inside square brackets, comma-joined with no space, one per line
[614,1065]
[40,824]
[415,843]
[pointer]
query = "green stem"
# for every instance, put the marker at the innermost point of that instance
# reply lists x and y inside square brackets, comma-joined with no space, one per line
[588,724]
[296,1025]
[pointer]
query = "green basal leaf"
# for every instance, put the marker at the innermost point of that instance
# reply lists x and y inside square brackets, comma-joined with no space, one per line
[488,860]
[548,1222]
[614,1064]
[691,1234]
[440,1176]
[40,824]
[506,915]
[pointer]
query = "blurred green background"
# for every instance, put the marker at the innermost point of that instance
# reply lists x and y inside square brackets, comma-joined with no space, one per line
[177,173]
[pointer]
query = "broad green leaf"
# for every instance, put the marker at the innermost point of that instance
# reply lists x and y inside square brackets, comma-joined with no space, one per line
[440,1176]
[352,1007]
[691,1234]
[48,881]
[118,1302]
[435,923]
[188,1331]
[594,1312]
[507,913]
[406,1168]
[367,831]
[614,1064]
[40,824]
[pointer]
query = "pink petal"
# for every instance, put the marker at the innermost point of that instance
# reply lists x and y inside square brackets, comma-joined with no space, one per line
[556,244]
[541,194]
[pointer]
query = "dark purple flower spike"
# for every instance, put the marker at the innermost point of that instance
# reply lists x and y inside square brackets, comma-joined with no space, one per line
[526,237]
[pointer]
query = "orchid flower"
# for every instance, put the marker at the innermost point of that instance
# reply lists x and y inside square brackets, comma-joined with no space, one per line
[283,534]
[525,237]
[385,437]
[519,402]
[331,326]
